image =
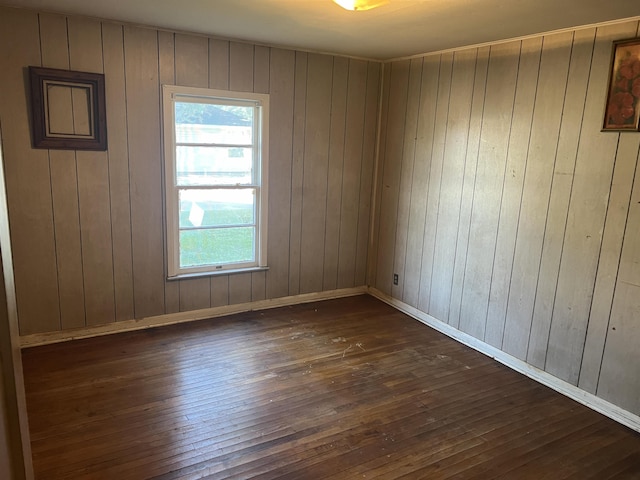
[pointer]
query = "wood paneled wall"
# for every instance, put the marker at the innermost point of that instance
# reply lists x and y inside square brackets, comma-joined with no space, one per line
[88,227]
[507,213]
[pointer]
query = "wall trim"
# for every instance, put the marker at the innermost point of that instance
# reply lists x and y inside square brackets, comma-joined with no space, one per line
[39,339]
[581,396]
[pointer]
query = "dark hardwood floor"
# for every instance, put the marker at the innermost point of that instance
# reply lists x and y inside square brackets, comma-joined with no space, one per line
[341,389]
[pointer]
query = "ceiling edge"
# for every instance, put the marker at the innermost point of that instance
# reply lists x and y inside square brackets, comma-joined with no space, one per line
[515,39]
[197,34]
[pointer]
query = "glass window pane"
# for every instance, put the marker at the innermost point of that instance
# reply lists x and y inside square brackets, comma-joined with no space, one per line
[214,208]
[217,246]
[207,123]
[214,166]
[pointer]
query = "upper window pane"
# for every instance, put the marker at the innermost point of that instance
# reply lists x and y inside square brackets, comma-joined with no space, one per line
[213,124]
[214,166]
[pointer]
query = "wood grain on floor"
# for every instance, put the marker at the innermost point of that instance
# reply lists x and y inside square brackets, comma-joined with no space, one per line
[341,389]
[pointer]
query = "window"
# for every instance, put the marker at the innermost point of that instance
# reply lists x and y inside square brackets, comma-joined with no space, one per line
[216,192]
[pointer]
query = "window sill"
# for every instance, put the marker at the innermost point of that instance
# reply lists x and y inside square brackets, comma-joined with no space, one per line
[186,276]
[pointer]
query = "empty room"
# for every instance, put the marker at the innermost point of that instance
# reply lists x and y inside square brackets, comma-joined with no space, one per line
[319,239]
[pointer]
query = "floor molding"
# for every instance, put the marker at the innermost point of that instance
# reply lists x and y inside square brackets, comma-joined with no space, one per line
[39,339]
[585,398]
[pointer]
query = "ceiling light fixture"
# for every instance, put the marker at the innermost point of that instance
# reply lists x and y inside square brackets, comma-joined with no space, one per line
[359,5]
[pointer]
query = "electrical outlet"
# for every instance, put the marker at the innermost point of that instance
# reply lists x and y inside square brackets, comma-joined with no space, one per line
[395,278]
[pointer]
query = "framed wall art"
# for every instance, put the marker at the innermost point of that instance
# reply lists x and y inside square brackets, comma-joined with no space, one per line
[622,110]
[68,109]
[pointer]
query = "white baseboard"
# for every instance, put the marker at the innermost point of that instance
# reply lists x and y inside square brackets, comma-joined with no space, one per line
[173,318]
[588,399]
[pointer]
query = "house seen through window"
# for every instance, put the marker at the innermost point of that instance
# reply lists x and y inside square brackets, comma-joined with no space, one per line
[216,192]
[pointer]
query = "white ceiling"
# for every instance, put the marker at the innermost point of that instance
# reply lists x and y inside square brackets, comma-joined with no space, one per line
[400,28]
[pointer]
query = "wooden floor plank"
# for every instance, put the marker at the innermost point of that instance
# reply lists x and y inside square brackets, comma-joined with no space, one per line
[341,389]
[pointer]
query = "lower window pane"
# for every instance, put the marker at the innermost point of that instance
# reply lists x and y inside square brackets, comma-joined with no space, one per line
[217,246]
[215,208]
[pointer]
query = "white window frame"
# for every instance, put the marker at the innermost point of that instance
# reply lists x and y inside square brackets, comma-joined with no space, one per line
[260,102]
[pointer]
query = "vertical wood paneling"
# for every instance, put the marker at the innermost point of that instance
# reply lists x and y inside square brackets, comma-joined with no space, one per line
[62,101]
[406,175]
[420,178]
[335,172]
[258,286]
[80,115]
[453,167]
[543,144]
[145,166]
[55,49]
[118,157]
[195,294]
[191,61]
[435,179]
[85,54]
[261,61]
[630,261]
[356,92]
[511,198]
[241,67]
[281,83]
[219,290]
[616,226]
[218,64]
[468,184]
[239,288]
[167,76]
[619,381]
[316,162]
[578,78]
[587,208]
[192,70]
[28,180]
[539,189]
[496,125]
[391,161]
[299,113]
[367,171]
[610,260]
[64,189]
[104,214]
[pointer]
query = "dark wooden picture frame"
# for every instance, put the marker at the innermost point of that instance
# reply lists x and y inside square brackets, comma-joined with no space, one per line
[68,109]
[622,110]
